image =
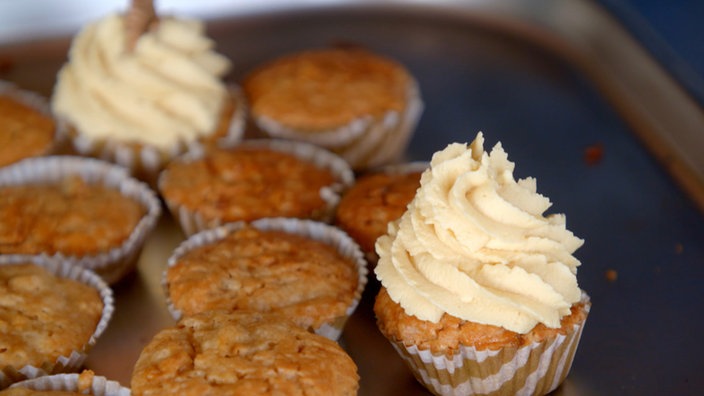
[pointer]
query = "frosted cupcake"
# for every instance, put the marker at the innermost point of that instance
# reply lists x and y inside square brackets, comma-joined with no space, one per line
[51,315]
[358,104]
[479,290]
[140,105]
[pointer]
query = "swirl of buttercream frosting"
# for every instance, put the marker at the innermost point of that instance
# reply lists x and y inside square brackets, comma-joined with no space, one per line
[166,91]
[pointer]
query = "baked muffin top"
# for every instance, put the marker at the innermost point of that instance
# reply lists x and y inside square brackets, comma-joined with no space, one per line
[450,332]
[71,217]
[323,89]
[250,269]
[242,353]
[372,202]
[247,183]
[43,316]
[24,131]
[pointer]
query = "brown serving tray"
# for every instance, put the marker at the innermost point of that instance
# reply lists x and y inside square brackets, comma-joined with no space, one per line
[553,80]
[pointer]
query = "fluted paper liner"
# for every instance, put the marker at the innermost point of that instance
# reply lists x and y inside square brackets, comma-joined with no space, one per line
[318,231]
[191,221]
[535,369]
[100,386]
[40,104]
[365,142]
[75,360]
[146,161]
[113,264]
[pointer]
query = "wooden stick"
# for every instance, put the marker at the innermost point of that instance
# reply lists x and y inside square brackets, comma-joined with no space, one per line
[140,15]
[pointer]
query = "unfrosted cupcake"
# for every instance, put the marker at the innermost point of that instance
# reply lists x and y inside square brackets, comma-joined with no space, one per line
[255,179]
[242,353]
[86,211]
[375,199]
[51,315]
[141,105]
[27,127]
[85,383]
[479,290]
[308,271]
[358,104]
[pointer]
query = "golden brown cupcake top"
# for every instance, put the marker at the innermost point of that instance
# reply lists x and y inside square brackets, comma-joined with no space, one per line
[242,353]
[247,183]
[71,217]
[323,89]
[24,131]
[449,333]
[43,316]
[250,269]
[372,202]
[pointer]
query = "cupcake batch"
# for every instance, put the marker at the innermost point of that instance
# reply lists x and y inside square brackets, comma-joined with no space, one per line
[292,193]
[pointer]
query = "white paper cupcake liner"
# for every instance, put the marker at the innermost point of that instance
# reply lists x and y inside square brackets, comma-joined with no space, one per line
[310,229]
[535,369]
[75,360]
[113,264]
[40,104]
[99,386]
[146,161]
[191,221]
[387,140]
[364,142]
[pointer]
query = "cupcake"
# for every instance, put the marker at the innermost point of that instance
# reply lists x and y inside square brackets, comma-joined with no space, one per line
[479,289]
[375,199]
[358,104]
[255,179]
[86,211]
[242,353]
[308,271]
[51,315]
[141,103]
[85,383]
[28,128]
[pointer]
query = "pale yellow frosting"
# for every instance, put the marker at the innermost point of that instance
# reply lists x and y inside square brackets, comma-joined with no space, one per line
[474,243]
[167,90]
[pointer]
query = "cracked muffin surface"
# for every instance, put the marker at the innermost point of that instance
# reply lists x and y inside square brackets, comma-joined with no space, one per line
[71,217]
[248,353]
[250,269]
[43,316]
[246,183]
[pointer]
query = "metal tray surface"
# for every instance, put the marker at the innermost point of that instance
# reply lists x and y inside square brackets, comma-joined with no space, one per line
[517,73]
